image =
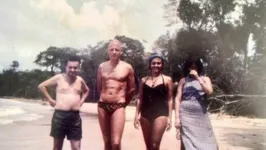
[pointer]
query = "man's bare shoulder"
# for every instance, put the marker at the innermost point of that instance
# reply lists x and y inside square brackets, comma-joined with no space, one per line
[58,76]
[56,79]
[103,64]
[80,78]
[127,65]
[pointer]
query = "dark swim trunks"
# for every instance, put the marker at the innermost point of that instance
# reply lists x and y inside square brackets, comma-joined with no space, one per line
[66,123]
[110,108]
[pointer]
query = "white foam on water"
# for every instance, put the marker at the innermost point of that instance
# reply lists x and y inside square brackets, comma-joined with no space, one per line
[5,121]
[11,111]
[19,117]
[31,117]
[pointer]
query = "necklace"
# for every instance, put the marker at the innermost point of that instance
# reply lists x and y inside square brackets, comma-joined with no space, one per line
[154,81]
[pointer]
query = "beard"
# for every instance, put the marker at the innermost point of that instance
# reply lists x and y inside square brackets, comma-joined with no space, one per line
[72,74]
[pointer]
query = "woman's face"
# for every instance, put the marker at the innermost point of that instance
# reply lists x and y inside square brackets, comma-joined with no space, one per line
[156,65]
[193,67]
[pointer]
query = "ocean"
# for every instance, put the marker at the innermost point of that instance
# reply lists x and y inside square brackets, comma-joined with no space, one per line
[12,111]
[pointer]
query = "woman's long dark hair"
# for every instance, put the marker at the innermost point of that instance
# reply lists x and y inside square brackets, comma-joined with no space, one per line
[189,62]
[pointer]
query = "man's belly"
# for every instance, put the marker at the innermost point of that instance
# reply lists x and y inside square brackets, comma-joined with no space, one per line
[67,102]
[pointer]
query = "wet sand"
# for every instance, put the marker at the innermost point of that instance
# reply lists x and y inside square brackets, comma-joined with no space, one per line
[238,133]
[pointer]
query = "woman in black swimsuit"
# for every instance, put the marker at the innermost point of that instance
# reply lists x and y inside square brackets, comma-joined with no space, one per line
[154,107]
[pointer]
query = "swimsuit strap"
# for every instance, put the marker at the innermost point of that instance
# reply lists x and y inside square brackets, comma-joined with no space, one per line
[146,79]
[149,76]
[166,87]
[162,78]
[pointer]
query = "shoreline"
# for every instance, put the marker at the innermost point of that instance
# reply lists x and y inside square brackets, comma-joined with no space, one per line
[44,102]
[232,132]
[213,116]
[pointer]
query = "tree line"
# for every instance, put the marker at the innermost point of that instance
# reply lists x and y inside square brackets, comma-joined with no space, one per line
[208,30]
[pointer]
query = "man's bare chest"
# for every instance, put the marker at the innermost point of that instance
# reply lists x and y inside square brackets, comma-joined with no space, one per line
[65,87]
[118,74]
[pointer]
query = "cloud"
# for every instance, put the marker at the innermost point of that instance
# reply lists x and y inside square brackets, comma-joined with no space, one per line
[31,26]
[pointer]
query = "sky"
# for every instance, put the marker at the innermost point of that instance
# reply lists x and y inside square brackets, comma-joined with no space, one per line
[31,26]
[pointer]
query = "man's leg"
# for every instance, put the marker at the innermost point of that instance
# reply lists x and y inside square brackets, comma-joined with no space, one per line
[117,128]
[75,144]
[74,131]
[104,121]
[58,144]
[58,130]
[75,134]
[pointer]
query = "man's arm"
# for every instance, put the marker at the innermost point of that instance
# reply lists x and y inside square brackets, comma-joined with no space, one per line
[130,85]
[99,79]
[139,101]
[52,81]
[85,92]
[139,104]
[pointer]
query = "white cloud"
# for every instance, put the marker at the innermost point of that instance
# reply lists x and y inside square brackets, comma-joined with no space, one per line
[31,26]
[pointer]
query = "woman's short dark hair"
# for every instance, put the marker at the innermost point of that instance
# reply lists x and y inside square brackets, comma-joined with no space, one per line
[190,61]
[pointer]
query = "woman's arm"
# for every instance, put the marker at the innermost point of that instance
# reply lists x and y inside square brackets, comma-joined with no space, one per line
[178,100]
[206,84]
[170,102]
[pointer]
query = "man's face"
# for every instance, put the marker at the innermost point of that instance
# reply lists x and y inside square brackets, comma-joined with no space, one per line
[72,68]
[114,50]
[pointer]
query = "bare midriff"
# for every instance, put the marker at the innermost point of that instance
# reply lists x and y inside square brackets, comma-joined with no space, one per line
[68,97]
[113,91]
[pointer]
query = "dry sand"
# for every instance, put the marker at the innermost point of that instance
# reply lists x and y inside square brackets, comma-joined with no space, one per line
[232,133]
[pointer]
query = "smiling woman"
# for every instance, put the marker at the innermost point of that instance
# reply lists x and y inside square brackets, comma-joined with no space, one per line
[154,106]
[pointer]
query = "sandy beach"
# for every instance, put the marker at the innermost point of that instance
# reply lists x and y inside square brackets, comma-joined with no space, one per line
[237,133]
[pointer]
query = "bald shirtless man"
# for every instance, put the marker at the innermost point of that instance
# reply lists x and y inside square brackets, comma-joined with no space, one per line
[115,82]
[71,92]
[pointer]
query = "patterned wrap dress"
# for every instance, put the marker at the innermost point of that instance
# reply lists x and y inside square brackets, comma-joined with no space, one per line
[196,128]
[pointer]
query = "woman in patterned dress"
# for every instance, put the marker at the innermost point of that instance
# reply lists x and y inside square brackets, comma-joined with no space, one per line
[191,111]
